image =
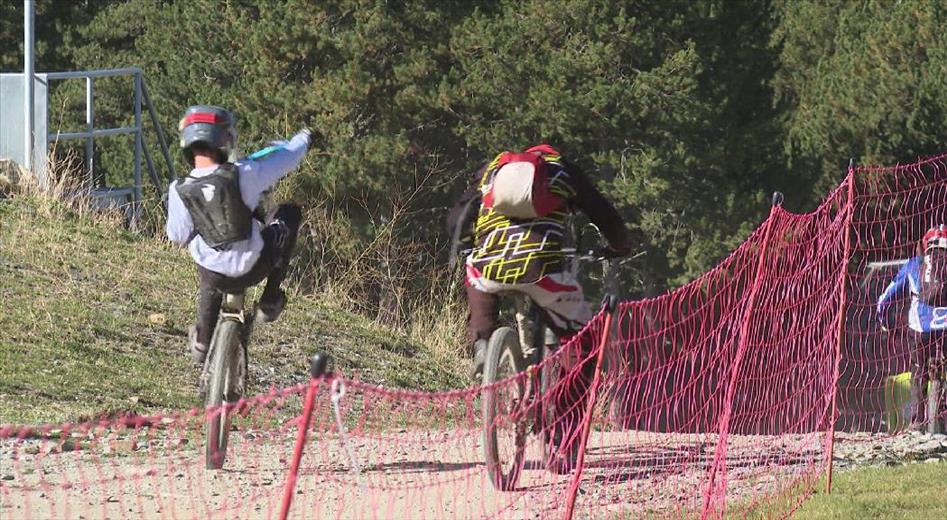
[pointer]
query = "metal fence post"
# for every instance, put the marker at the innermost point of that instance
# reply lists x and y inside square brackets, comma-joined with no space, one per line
[28,73]
[90,127]
[162,140]
[137,190]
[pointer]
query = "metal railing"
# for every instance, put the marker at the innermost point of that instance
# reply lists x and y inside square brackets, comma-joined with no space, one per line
[141,98]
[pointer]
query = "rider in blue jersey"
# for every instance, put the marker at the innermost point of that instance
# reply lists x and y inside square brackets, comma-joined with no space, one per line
[927,316]
[922,318]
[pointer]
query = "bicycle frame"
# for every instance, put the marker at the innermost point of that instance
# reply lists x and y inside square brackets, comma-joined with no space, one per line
[531,325]
[535,336]
[232,306]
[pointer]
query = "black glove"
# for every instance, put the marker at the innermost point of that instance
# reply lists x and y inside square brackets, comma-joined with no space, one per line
[883,320]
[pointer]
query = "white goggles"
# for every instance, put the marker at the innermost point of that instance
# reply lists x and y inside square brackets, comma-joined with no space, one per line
[937,243]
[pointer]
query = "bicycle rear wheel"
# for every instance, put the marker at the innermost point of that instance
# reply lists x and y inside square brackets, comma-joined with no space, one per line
[505,412]
[934,399]
[226,364]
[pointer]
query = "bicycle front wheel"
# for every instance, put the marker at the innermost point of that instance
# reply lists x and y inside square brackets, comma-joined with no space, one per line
[505,412]
[226,364]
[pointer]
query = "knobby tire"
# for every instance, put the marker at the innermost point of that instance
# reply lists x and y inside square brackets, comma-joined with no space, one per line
[504,358]
[225,365]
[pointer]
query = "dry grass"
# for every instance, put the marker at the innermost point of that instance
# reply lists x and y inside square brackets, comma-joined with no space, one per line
[391,278]
[94,319]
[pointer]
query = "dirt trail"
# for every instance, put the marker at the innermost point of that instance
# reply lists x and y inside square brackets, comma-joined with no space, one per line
[401,475]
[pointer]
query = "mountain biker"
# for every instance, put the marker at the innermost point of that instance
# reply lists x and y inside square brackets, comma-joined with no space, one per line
[213,212]
[513,218]
[924,276]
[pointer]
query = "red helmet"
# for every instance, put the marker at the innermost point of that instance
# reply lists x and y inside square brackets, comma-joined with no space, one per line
[936,237]
[542,149]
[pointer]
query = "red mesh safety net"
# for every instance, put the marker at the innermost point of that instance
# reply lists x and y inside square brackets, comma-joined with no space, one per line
[719,398]
[893,207]
[720,392]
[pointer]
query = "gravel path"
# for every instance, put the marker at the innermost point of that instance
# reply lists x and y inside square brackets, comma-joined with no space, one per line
[409,475]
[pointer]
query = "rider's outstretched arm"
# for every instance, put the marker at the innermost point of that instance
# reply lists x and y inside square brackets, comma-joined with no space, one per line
[894,288]
[265,171]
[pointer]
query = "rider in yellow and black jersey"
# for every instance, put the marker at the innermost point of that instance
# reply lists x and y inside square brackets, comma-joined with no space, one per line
[512,250]
[525,254]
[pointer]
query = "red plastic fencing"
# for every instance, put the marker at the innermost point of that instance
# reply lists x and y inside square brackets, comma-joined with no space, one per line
[717,398]
[893,207]
[149,467]
[372,452]
[721,392]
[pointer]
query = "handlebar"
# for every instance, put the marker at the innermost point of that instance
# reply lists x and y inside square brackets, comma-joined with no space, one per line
[587,255]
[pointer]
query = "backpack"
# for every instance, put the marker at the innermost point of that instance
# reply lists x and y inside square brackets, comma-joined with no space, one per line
[216,206]
[934,278]
[519,187]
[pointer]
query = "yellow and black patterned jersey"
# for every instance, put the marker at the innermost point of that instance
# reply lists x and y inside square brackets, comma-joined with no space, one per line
[511,250]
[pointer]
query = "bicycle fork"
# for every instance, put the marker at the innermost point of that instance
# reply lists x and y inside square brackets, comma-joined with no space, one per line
[231,308]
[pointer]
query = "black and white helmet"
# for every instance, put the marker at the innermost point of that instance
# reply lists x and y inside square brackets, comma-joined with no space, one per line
[213,127]
[935,238]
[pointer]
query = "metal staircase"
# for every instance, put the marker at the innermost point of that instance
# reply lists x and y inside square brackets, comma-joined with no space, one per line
[128,198]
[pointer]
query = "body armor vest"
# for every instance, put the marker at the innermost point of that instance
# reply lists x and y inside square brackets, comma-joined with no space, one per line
[216,206]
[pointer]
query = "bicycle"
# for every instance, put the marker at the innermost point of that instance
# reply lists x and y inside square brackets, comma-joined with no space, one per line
[224,374]
[505,357]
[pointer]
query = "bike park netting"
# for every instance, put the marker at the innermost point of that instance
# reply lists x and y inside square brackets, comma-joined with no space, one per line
[718,398]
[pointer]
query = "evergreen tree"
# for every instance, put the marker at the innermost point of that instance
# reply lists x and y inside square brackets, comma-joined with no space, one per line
[863,80]
[688,114]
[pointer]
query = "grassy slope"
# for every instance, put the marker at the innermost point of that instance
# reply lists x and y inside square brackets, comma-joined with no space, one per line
[93,320]
[913,491]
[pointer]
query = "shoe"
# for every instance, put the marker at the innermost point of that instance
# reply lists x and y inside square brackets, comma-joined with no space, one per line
[269,310]
[277,232]
[198,349]
[476,366]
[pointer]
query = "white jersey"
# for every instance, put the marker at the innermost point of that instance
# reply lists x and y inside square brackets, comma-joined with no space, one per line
[256,176]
